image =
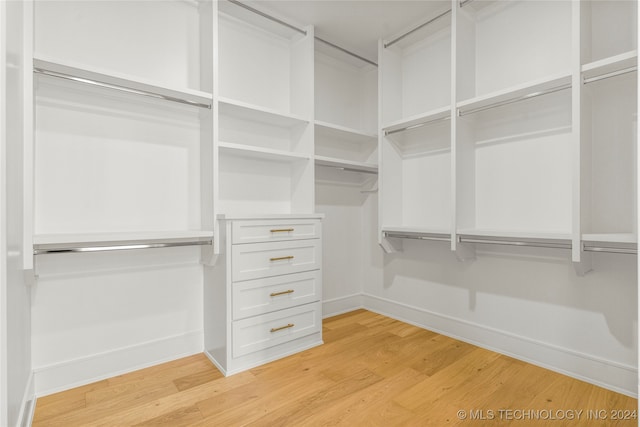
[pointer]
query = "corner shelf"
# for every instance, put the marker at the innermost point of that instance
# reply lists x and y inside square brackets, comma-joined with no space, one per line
[258,114]
[331,130]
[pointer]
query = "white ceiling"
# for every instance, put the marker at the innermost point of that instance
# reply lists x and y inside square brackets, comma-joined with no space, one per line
[355,25]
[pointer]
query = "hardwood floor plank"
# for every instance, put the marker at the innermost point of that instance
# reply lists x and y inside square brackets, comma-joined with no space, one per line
[372,371]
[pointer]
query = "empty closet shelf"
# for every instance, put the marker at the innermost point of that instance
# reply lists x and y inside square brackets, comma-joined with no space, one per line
[416,233]
[347,165]
[506,238]
[619,243]
[116,81]
[101,242]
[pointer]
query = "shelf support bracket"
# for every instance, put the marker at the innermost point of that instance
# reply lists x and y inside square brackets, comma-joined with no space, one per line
[583,266]
[464,251]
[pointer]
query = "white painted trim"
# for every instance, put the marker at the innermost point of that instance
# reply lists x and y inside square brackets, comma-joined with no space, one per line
[28,405]
[340,305]
[85,370]
[608,374]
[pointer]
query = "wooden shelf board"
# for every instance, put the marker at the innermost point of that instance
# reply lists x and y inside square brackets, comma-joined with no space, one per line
[258,114]
[119,79]
[611,64]
[436,114]
[515,91]
[262,153]
[66,240]
[346,164]
[344,133]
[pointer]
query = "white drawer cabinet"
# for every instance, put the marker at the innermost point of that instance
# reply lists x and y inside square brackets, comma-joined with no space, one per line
[262,299]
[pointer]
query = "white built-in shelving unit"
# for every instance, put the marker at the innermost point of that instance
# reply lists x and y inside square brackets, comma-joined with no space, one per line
[345,116]
[499,135]
[122,142]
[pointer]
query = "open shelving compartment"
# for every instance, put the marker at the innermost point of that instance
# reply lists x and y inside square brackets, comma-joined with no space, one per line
[513,127]
[345,116]
[264,127]
[415,136]
[102,112]
[609,115]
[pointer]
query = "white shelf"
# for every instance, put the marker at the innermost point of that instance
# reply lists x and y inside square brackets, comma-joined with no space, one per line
[62,242]
[417,232]
[611,64]
[270,216]
[348,165]
[512,235]
[418,119]
[344,133]
[126,83]
[626,238]
[515,92]
[258,114]
[261,153]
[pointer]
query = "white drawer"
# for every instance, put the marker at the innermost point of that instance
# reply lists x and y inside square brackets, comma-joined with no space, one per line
[256,260]
[260,332]
[259,296]
[255,231]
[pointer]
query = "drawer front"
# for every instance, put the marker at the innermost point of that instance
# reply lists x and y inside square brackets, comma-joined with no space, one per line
[260,296]
[275,230]
[256,260]
[260,332]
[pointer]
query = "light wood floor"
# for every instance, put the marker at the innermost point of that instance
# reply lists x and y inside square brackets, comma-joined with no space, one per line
[371,371]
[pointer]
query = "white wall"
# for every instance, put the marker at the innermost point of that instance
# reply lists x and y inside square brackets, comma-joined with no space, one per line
[15,349]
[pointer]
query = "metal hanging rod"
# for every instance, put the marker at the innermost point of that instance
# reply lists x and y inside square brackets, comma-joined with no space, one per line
[269,17]
[118,87]
[120,247]
[411,236]
[629,251]
[609,75]
[300,30]
[348,169]
[397,39]
[341,49]
[517,243]
[462,112]
[418,125]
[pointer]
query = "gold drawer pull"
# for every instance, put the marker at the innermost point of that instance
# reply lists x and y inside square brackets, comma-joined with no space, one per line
[290,325]
[281,258]
[275,294]
[281,230]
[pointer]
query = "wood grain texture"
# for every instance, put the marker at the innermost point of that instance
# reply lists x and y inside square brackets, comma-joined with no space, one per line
[372,371]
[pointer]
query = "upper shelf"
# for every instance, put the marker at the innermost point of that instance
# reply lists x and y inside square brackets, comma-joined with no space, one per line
[118,81]
[515,93]
[420,233]
[95,242]
[246,150]
[347,165]
[610,65]
[331,130]
[258,114]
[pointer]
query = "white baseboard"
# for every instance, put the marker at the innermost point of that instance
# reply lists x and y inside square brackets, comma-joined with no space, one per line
[335,306]
[28,405]
[608,374]
[73,373]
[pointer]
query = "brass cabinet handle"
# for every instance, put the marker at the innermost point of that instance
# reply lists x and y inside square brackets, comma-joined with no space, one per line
[281,230]
[281,258]
[290,325]
[275,294]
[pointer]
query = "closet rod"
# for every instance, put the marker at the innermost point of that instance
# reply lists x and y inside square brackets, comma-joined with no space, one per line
[397,39]
[409,236]
[463,2]
[516,243]
[121,247]
[348,169]
[609,75]
[419,125]
[610,250]
[269,17]
[299,30]
[462,112]
[341,49]
[118,87]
